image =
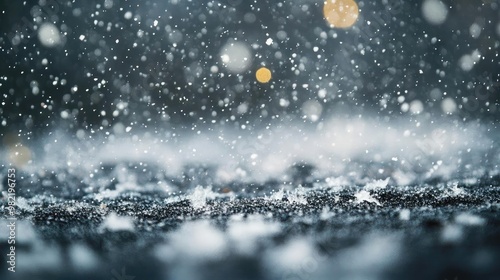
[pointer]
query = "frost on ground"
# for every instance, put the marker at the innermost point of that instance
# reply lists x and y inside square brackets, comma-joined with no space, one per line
[355,194]
[335,232]
[275,231]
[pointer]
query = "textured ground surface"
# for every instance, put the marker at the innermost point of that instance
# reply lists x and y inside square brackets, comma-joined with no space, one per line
[146,145]
[323,230]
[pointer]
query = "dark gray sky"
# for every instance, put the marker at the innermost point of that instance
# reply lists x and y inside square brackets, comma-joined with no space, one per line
[158,63]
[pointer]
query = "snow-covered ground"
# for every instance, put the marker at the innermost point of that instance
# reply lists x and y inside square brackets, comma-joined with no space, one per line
[348,198]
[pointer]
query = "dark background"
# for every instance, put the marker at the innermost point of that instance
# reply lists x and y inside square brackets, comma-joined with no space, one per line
[397,45]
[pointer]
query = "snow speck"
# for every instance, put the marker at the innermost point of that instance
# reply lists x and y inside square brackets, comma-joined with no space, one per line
[404,214]
[322,93]
[113,222]
[200,195]
[247,233]
[108,4]
[475,30]
[336,183]
[371,256]
[281,35]
[312,110]
[468,219]
[49,35]
[278,195]
[448,105]
[298,196]
[128,15]
[23,204]
[416,107]
[249,18]
[291,255]
[175,37]
[377,184]
[451,233]
[236,56]
[214,69]
[198,240]
[326,213]
[365,196]
[455,191]
[82,257]
[405,107]
[468,61]
[434,11]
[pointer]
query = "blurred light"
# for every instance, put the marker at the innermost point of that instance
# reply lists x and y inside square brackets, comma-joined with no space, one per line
[468,61]
[19,155]
[434,11]
[175,36]
[236,56]
[108,4]
[49,35]
[416,107]
[263,75]
[312,110]
[475,30]
[341,13]
[448,105]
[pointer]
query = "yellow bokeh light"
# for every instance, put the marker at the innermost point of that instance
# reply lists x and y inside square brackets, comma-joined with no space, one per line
[341,13]
[263,75]
[19,155]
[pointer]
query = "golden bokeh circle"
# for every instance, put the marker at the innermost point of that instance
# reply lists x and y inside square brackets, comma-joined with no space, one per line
[263,75]
[19,155]
[341,13]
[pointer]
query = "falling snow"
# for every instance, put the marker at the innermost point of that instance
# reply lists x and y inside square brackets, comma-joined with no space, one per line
[251,139]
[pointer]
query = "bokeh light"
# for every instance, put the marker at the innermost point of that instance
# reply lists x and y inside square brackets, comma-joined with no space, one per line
[312,110]
[341,13]
[19,156]
[236,56]
[434,11]
[49,35]
[263,75]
